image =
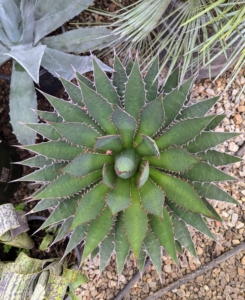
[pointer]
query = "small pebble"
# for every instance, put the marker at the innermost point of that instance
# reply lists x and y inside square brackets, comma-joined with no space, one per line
[210,92]
[238,119]
[233,147]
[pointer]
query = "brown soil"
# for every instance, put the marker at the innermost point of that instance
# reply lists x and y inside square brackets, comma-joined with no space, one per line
[6,68]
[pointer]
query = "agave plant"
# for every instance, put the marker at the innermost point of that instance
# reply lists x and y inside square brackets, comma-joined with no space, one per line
[129,166]
[23,27]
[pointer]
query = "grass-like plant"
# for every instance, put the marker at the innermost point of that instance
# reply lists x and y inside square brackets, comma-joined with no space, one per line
[129,166]
[192,33]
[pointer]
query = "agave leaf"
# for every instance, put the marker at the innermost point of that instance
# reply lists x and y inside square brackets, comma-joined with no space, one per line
[153,248]
[215,122]
[78,234]
[45,130]
[39,191]
[67,185]
[182,132]
[207,140]
[182,234]
[37,161]
[203,172]
[11,19]
[104,86]
[99,108]
[125,125]
[49,116]
[80,40]
[135,222]
[147,147]
[191,218]
[152,198]
[97,231]
[129,67]
[22,98]
[212,210]
[57,62]
[90,205]
[185,88]
[85,81]
[174,159]
[164,233]
[57,150]
[94,252]
[50,16]
[106,249]
[64,230]
[64,210]
[45,174]
[171,82]
[151,82]
[151,111]
[22,56]
[27,8]
[73,91]
[134,98]
[122,246]
[178,247]
[87,163]
[142,174]
[185,196]
[141,259]
[217,158]
[80,134]
[119,197]
[211,191]
[119,77]
[45,204]
[109,175]
[198,109]
[109,142]
[174,101]
[71,113]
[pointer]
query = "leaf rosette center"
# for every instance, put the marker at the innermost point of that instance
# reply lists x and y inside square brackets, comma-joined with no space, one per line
[126,163]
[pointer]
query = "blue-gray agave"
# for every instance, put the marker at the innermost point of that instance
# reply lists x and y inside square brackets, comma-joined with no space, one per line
[23,27]
[129,166]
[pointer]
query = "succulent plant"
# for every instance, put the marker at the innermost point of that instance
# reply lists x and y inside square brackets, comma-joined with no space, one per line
[24,25]
[129,165]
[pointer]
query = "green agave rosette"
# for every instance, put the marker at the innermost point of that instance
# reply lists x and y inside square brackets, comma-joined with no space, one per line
[129,165]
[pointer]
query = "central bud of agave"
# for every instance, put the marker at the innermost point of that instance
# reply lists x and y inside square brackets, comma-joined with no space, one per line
[126,163]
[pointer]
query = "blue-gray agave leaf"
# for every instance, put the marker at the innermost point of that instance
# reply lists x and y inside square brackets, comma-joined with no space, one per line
[51,14]
[23,27]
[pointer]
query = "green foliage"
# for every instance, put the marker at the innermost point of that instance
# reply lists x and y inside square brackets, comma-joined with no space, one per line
[139,182]
[23,27]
